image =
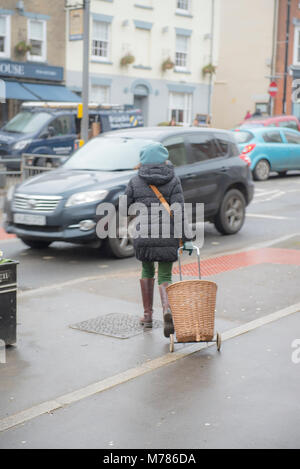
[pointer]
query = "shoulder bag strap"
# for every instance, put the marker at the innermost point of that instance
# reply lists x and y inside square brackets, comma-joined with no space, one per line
[164,203]
[161,199]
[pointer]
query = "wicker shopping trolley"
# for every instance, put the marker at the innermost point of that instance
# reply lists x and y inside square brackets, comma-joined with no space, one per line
[193,304]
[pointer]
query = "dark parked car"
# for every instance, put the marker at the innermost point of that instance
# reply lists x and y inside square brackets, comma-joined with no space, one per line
[60,205]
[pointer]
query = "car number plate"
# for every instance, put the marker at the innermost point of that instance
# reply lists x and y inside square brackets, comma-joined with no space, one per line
[25,219]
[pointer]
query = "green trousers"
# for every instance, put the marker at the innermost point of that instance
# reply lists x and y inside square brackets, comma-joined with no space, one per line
[164,271]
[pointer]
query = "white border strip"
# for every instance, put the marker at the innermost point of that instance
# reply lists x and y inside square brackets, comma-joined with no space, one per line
[133,373]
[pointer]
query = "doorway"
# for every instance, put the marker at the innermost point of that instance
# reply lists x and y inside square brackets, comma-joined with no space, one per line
[141,101]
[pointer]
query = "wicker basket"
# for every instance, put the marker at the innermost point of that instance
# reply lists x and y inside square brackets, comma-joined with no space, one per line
[193,304]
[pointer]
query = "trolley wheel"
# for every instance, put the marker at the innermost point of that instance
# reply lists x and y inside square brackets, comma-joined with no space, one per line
[219,342]
[172,343]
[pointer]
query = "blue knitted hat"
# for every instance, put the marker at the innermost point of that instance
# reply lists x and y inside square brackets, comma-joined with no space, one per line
[154,153]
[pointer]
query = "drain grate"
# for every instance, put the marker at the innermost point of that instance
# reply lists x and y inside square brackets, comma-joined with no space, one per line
[119,325]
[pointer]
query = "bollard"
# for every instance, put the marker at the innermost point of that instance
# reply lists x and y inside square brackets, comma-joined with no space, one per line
[8,302]
[2,176]
[2,352]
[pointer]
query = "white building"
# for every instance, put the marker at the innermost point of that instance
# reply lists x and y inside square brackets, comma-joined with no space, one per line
[152,31]
[246,40]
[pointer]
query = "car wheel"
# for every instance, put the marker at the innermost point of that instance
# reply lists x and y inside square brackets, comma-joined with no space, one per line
[261,171]
[39,162]
[121,247]
[43,163]
[49,164]
[282,174]
[232,213]
[36,244]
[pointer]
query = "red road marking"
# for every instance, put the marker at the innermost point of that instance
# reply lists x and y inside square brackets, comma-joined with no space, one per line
[4,235]
[227,263]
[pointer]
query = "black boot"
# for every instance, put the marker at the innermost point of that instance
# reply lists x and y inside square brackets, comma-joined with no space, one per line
[167,313]
[147,288]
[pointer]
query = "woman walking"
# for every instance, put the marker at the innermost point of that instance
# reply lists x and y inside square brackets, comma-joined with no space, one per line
[156,182]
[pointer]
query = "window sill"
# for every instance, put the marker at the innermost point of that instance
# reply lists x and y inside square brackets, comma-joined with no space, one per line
[183,13]
[182,70]
[101,61]
[144,7]
[36,59]
[142,67]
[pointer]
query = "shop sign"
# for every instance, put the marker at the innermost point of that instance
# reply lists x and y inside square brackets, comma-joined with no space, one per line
[29,70]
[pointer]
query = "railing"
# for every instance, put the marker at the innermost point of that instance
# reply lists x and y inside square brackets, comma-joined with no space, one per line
[9,177]
[30,165]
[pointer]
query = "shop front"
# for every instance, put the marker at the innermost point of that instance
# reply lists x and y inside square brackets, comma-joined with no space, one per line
[25,81]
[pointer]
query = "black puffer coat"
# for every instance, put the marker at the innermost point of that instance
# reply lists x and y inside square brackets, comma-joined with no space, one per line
[150,248]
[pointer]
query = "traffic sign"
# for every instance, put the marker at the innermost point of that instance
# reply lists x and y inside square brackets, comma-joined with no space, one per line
[273,89]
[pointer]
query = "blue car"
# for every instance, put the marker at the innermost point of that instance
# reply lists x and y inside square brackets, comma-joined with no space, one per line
[269,149]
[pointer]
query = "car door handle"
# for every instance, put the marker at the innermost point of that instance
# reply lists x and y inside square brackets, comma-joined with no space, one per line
[224,169]
[191,176]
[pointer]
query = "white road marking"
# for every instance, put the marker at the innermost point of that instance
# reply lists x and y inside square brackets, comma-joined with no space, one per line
[269,217]
[271,196]
[8,240]
[133,373]
[292,191]
[263,192]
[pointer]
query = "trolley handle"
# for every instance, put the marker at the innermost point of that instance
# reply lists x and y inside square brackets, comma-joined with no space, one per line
[180,251]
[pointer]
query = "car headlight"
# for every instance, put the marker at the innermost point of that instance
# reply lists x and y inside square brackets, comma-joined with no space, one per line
[21,145]
[86,198]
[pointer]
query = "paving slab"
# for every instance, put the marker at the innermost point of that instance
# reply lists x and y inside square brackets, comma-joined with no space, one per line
[245,397]
[51,359]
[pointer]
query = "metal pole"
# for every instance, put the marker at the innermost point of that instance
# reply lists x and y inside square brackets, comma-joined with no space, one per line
[274,53]
[211,55]
[286,55]
[85,71]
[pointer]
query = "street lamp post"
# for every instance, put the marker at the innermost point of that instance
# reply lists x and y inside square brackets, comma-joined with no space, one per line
[212,32]
[85,71]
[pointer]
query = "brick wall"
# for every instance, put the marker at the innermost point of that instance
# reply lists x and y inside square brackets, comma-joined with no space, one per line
[280,59]
[56,34]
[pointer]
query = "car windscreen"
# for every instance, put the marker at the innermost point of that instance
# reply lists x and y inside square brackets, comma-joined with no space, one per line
[27,122]
[291,124]
[243,136]
[108,154]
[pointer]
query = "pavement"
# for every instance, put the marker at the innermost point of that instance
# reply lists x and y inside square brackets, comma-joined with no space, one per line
[205,400]
[65,388]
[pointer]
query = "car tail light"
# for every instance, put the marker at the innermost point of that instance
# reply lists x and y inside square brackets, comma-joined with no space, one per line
[248,148]
[245,154]
[246,159]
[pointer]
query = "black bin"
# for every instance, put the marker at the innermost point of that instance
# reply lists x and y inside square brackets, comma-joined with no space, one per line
[8,302]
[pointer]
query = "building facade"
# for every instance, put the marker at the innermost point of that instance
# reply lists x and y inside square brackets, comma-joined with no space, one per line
[133,47]
[32,53]
[244,69]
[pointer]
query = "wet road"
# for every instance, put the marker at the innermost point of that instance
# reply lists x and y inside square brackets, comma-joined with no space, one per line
[274,213]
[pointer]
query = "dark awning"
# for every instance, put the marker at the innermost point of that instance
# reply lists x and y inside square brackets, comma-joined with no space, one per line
[15,90]
[51,92]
